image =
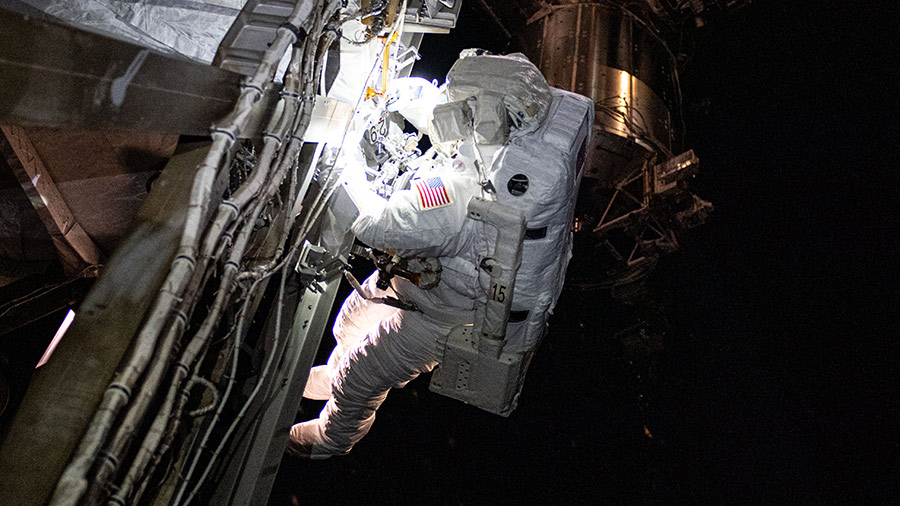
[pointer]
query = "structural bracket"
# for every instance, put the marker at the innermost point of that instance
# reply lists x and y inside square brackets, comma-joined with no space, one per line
[76,249]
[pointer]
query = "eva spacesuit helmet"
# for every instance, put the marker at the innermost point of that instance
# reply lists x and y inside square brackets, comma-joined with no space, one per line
[504,96]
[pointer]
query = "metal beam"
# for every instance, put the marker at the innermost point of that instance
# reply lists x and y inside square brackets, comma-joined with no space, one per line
[54,75]
[76,249]
[249,477]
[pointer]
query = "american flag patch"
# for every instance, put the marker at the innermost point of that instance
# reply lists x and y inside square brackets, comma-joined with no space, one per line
[432,193]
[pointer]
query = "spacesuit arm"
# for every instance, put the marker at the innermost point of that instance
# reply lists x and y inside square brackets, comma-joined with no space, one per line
[408,229]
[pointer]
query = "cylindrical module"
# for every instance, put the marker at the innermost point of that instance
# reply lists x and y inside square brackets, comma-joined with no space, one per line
[608,54]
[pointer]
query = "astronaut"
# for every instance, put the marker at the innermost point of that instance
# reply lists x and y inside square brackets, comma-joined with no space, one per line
[380,347]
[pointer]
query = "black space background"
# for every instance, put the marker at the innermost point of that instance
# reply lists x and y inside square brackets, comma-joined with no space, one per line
[778,381]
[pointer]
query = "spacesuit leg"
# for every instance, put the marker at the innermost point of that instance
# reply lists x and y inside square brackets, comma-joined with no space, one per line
[356,318]
[399,349]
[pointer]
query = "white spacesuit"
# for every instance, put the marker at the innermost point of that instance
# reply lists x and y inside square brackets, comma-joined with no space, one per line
[379,346]
[497,111]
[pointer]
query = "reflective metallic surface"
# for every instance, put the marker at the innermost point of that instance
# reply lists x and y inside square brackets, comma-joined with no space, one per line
[615,53]
[606,53]
[186,28]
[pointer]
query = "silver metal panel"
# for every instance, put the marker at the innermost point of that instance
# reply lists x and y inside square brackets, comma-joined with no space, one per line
[413,41]
[442,22]
[279,9]
[249,37]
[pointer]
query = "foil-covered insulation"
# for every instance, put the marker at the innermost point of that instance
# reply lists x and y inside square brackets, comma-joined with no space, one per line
[190,28]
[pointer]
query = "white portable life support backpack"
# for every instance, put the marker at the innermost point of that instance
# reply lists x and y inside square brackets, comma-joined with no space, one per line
[536,176]
[539,174]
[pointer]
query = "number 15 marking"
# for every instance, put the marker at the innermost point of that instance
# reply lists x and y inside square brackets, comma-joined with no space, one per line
[498,292]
